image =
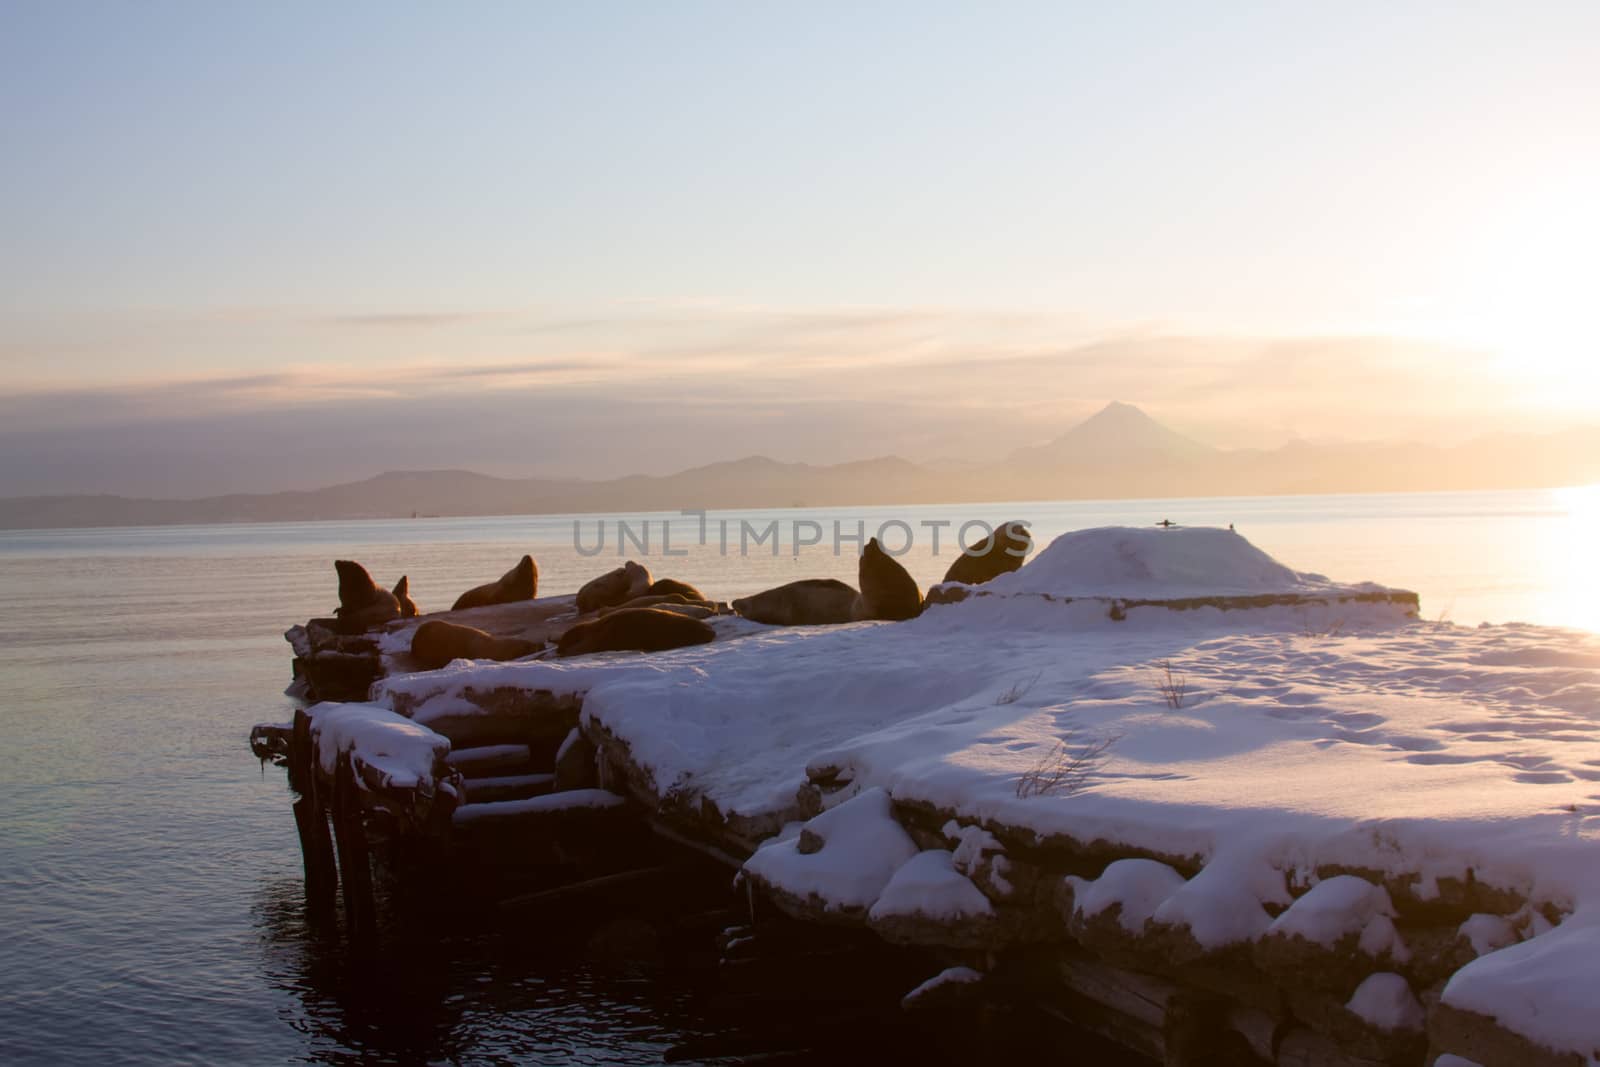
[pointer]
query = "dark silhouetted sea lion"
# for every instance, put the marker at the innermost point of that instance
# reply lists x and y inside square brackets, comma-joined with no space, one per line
[808,602]
[362,603]
[634,630]
[667,600]
[887,589]
[519,583]
[999,553]
[694,611]
[402,593]
[668,586]
[614,587]
[437,642]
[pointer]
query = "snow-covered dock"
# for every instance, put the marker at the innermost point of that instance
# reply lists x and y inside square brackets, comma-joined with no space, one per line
[1211,802]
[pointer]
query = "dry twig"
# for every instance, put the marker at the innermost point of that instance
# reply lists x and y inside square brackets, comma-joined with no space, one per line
[1065,771]
[1174,687]
[1018,691]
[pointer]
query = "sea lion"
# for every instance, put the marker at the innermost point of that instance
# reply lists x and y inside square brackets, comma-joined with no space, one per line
[519,583]
[613,587]
[693,611]
[402,593]
[437,642]
[668,586]
[808,602]
[999,553]
[362,603]
[635,630]
[656,602]
[887,589]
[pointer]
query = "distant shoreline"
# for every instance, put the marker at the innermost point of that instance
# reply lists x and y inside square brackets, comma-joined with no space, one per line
[1015,503]
[1118,454]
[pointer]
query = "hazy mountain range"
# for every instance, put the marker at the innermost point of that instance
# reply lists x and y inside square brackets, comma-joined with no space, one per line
[1118,453]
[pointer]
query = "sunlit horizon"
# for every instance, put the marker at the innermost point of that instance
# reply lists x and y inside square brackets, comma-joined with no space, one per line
[733,231]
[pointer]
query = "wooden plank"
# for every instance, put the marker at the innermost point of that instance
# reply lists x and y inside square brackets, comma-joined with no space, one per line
[355,859]
[491,761]
[509,787]
[505,722]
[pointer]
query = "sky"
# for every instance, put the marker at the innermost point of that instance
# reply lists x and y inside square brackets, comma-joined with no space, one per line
[248,247]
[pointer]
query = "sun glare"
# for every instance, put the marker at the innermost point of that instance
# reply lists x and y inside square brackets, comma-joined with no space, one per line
[1569,558]
[1526,294]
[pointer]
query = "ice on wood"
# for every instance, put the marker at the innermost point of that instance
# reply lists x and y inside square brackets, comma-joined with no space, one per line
[404,752]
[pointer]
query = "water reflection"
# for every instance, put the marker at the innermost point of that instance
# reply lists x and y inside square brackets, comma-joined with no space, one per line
[1570,561]
[441,985]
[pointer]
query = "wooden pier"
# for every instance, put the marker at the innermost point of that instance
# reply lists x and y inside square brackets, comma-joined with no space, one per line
[520,779]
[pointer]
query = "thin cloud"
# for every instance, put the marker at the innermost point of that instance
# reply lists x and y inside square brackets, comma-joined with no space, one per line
[410,320]
[700,386]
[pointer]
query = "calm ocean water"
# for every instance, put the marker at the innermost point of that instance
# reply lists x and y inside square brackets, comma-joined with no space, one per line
[150,884]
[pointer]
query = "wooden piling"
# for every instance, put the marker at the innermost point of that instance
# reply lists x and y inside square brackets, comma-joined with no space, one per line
[355,858]
[311,820]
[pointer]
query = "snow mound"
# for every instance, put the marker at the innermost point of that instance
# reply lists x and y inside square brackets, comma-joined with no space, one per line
[1223,904]
[1543,987]
[1386,1001]
[929,886]
[1139,886]
[1122,561]
[1342,906]
[862,847]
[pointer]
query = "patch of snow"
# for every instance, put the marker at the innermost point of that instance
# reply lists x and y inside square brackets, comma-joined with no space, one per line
[1335,908]
[972,842]
[571,800]
[947,977]
[404,751]
[1223,904]
[1543,987]
[928,885]
[1488,932]
[1450,1059]
[1386,1001]
[395,642]
[1140,886]
[863,846]
[1534,923]
[1147,563]
[572,738]
[1380,938]
[998,869]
